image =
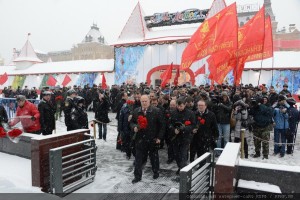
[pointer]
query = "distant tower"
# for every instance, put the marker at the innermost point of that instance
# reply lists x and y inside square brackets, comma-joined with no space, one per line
[94,35]
[269,11]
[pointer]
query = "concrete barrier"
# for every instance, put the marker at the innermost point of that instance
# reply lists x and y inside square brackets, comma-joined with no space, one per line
[22,148]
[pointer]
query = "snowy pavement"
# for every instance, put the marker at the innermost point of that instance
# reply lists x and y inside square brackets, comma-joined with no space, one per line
[115,172]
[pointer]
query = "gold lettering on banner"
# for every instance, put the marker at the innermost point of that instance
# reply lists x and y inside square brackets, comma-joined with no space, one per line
[186,64]
[251,50]
[240,36]
[222,67]
[215,48]
[259,56]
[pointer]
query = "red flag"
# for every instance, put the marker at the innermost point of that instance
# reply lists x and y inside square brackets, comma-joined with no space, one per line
[268,44]
[177,77]
[220,65]
[218,33]
[201,70]
[166,76]
[250,41]
[3,78]
[103,85]
[51,81]
[66,80]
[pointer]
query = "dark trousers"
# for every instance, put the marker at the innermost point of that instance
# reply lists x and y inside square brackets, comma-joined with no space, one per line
[102,130]
[47,132]
[126,143]
[181,153]
[290,139]
[199,147]
[170,149]
[144,148]
[36,132]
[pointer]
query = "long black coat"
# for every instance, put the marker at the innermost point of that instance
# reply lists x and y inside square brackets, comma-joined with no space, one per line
[79,118]
[47,116]
[68,106]
[101,110]
[3,115]
[123,124]
[207,129]
[182,117]
[156,125]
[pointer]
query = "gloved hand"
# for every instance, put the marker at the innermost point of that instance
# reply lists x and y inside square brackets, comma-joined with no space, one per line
[33,118]
[10,124]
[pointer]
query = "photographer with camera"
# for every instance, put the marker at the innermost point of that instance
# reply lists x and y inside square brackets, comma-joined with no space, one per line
[240,114]
[281,126]
[223,119]
[262,116]
[182,122]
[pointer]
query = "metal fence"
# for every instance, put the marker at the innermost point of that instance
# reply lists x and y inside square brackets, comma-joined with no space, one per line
[10,105]
[72,166]
[195,179]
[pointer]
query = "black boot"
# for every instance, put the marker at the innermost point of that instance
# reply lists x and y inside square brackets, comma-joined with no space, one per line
[256,155]
[155,175]
[135,180]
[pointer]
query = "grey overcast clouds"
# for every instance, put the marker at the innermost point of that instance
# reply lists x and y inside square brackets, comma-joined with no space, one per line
[58,24]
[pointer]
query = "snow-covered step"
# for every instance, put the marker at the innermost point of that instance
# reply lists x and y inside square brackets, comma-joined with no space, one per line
[253,186]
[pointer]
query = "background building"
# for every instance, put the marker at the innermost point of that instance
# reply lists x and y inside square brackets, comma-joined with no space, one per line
[92,47]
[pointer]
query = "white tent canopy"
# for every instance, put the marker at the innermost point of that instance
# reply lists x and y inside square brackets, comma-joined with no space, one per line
[281,60]
[78,66]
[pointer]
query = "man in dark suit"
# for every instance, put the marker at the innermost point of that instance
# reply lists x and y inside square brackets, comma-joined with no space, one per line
[148,126]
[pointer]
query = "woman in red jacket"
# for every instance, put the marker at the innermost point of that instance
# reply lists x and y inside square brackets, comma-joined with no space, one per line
[29,116]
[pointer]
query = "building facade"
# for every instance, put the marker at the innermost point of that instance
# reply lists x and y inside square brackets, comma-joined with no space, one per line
[92,47]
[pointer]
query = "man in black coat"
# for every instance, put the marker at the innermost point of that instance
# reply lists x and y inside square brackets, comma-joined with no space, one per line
[182,122]
[101,114]
[3,115]
[206,131]
[78,114]
[69,104]
[123,100]
[149,128]
[293,124]
[47,114]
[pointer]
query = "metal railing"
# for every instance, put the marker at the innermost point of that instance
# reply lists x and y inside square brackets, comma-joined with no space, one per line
[195,179]
[72,166]
[10,105]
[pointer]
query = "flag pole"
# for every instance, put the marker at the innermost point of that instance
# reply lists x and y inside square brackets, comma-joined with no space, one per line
[263,47]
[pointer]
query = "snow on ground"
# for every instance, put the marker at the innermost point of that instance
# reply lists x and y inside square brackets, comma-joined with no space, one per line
[115,172]
[15,175]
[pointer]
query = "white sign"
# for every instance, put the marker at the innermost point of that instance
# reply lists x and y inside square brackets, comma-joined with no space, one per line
[247,8]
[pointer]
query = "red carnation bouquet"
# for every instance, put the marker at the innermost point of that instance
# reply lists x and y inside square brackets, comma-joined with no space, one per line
[129,102]
[142,122]
[2,132]
[187,123]
[59,98]
[201,120]
[14,133]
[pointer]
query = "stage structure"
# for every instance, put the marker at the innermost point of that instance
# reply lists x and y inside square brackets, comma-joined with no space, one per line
[147,45]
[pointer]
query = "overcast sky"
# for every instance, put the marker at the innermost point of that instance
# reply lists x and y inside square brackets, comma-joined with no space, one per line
[58,24]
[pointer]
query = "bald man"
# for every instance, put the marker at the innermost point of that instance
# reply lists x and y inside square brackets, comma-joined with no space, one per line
[147,139]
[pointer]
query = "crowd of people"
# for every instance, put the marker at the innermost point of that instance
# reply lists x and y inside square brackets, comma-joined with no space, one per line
[187,120]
